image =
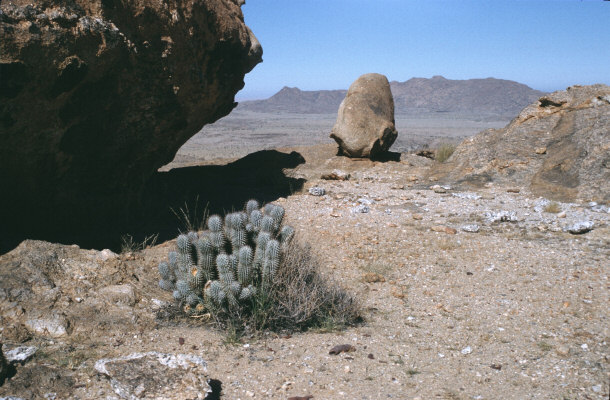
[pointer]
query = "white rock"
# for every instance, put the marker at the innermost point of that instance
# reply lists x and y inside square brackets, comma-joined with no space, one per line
[19,354]
[472,228]
[107,254]
[501,216]
[466,350]
[361,209]
[579,227]
[54,325]
[317,191]
[466,195]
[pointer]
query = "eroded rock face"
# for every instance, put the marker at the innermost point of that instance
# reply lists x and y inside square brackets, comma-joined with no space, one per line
[559,147]
[365,122]
[95,96]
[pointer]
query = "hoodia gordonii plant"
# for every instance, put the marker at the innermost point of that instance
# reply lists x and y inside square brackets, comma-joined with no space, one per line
[226,265]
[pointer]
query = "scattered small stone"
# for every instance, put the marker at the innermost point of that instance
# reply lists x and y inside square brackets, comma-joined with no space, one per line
[412,178]
[363,209]
[466,195]
[599,208]
[301,397]
[425,153]
[399,293]
[371,356]
[496,366]
[562,351]
[445,229]
[540,150]
[501,216]
[466,350]
[336,175]
[372,277]
[561,214]
[513,190]
[417,217]
[342,348]
[181,341]
[437,189]
[472,228]
[580,227]
[317,191]
[596,388]
[365,201]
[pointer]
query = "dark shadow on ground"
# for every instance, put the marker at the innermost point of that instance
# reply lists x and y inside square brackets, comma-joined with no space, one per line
[387,156]
[383,156]
[221,187]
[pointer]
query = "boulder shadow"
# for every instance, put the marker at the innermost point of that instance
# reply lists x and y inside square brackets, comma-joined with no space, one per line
[219,188]
[383,156]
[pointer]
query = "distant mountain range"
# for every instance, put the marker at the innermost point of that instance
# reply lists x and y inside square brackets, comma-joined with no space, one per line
[435,95]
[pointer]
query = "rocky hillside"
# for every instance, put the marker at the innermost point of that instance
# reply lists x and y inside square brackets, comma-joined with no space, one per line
[474,96]
[295,100]
[558,146]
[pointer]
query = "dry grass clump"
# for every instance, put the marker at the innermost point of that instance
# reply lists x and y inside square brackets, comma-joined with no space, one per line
[298,299]
[552,207]
[444,151]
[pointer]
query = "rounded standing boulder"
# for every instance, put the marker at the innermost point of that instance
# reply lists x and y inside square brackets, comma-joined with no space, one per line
[365,124]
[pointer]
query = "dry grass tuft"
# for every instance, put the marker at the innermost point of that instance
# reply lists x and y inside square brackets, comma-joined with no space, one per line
[552,207]
[299,298]
[444,151]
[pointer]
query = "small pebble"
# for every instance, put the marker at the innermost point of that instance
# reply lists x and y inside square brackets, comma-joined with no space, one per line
[466,350]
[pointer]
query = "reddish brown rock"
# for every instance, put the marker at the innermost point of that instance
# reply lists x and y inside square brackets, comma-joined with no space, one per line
[96,95]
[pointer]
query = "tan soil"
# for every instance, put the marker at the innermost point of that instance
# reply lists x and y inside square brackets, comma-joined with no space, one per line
[518,310]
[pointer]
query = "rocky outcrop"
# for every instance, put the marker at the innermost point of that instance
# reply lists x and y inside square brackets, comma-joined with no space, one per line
[365,122]
[559,147]
[95,96]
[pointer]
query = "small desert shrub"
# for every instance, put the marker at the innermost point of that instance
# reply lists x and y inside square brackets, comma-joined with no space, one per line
[552,207]
[444,151]
[248,273]
[299,298]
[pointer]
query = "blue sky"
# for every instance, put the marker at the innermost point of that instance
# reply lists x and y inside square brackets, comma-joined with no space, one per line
[327,44]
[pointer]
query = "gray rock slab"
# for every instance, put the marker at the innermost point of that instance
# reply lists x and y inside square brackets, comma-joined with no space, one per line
[156,375]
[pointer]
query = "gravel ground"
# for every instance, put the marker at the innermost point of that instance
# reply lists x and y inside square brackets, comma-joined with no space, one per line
[516,310]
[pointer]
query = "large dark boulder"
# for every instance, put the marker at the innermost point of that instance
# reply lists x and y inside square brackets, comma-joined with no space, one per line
[365,121]
[96,95]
